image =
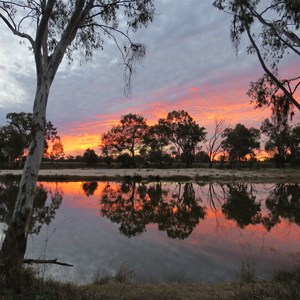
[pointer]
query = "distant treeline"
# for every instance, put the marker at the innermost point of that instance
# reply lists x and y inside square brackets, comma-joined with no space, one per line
[176,140]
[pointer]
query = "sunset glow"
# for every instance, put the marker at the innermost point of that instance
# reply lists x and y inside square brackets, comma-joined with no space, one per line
[194,69]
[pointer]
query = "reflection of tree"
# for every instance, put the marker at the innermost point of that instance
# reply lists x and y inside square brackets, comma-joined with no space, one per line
[124,204]
[43,212]
[89,188]
[240,205]
[135,205]
[283,201]
[182,214]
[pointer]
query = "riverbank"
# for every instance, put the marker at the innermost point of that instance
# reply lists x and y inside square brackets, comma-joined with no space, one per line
[271,290]
[193,174]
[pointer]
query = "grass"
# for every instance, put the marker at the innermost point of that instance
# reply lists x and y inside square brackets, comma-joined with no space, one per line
[285,286]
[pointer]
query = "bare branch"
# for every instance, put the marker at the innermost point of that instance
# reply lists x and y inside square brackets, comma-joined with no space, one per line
[46,261]
[12,27]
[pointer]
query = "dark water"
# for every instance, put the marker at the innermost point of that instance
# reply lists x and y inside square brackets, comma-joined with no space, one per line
[162,231]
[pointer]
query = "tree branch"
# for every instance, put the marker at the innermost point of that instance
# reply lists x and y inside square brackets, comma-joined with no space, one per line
[15,31]
[46,261]
[268,72]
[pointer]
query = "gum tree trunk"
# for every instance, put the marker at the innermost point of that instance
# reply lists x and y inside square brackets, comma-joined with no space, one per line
[14,245]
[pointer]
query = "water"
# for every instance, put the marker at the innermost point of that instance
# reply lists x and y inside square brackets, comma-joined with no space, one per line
[162,231]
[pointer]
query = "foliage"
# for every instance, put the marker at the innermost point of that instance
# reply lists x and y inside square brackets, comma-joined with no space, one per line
[272,28]
[135,205]
[240,141]
[15,137]
[202,157]
[89,188]
[90,157]
[157,141]
[126,137]
[283,139]
[46,202]
[240,205]
[57,151]
[284,202]
[183,132]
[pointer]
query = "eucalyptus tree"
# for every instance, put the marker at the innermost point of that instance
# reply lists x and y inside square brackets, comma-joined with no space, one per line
[126,137]
[214,143]
[272,27]
[240,141]
[183,132]
[54,29]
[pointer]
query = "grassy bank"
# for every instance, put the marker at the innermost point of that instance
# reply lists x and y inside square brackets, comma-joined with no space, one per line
[285,286]
[273,290]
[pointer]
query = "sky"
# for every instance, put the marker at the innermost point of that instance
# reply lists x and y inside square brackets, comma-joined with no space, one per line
[190,64]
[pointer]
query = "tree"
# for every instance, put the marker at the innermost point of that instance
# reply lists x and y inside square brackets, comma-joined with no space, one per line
[53,29]
[16,135]
[240,141]
[57,151]
[283,141]
[214,142]
[126,137]
[157,141]
[90,157]
[183,132]
[295,145]
[272,28]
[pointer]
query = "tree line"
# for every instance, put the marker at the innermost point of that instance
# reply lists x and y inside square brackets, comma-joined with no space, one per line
[178,138]
[174,139]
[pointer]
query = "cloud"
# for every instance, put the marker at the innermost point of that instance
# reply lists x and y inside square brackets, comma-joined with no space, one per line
[190,64]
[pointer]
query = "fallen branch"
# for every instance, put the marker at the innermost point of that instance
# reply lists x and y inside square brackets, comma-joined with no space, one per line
[46,261]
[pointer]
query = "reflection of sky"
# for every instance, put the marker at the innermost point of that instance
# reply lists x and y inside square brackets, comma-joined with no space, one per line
[213,252]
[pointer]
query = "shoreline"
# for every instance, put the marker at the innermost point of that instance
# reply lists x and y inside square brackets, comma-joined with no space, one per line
[149,174]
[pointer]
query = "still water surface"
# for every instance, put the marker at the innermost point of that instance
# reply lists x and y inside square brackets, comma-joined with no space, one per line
[162,231]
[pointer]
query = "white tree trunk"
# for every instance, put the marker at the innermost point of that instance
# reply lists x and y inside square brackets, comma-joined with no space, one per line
[14,245]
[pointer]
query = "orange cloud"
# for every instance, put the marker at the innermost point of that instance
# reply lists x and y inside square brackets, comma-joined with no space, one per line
[204,103]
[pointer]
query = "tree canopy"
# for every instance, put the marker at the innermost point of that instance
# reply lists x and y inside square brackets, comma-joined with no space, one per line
[15,137]
[183,132]
[126,137]
[240,141]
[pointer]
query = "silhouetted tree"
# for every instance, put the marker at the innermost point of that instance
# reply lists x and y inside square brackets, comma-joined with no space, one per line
[240,141]
[90,157]
[57,151]
[16,135]
[273,31]
[157,141]
[214,143]
[283,139]
[126,137]
[183,132]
